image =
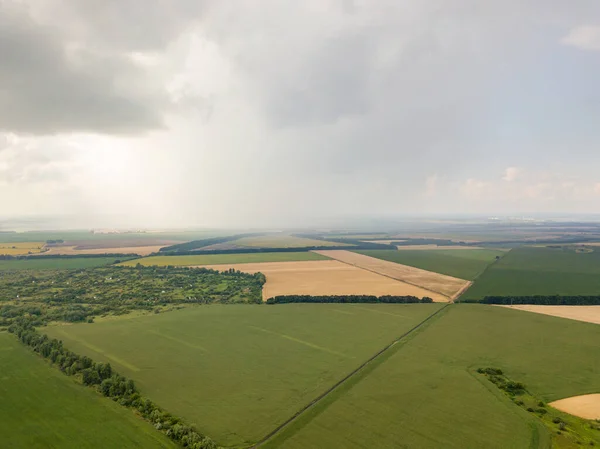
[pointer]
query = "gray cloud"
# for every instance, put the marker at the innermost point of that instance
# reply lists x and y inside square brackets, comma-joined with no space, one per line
[312,108]
[68,70]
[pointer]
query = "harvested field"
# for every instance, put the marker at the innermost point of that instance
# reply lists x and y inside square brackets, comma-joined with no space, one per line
[326,277]
[141,250]
[18,249]
[586,406]
[589,314]
[445,285]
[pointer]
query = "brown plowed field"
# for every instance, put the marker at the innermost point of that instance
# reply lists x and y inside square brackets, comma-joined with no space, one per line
[434,282]
[586,406]
[589,314]
[326,277]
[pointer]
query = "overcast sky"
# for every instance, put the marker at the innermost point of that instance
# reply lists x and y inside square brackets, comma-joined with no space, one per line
[279,112]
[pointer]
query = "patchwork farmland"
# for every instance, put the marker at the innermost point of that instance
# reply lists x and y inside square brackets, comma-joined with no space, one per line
[326,277]
[306,375]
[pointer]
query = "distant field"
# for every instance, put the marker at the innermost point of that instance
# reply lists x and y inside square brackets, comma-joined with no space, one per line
[18,249]
[42,408]
[282,241]
[460,263]
[238,371]
[540,271]
[55,264]
[73,250]
[217,259]
[435,282]
[426,394]
[326,277]
[589,314]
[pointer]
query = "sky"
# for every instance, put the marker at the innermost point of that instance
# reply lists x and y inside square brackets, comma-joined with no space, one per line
[173,113]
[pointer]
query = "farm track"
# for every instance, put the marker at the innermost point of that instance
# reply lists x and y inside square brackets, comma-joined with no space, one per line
[344,380]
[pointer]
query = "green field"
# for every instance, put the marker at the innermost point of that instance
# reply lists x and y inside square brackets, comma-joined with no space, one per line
[461,263]
[42,408]
[282,241]
[426,393]
[220,259]
[540,271]
[236,372]
[42,263]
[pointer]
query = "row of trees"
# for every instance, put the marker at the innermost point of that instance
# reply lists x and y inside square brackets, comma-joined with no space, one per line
[371,299]
[546,300]
[105,380]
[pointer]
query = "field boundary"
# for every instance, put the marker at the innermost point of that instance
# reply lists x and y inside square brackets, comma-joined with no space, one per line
[391,277]
[342,381]
[456,297]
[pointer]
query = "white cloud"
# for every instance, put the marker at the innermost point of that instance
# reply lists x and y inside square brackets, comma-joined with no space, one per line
[431,185]
[511,174]
[584,37]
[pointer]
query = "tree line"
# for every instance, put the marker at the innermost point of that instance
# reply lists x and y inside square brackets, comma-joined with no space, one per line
[195,244]
[370,299]
[545,300]
[109,383]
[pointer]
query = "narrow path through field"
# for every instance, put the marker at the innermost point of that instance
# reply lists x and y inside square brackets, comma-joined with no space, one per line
[341,382]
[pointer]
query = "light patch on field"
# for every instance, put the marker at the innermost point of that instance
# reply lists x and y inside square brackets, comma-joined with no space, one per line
[430,247]
[110,357]
[589,314]
[140,250]
[20,249]
[586,406]
[448,286]
[326,277]
[302,342]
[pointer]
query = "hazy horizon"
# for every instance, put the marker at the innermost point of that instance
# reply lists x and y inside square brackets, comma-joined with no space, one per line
[290,114]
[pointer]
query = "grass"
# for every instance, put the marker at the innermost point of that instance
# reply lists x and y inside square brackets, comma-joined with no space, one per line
[540,271]
[41,407]
[236,372]
[426,393]
[21,248]
[283,241]
[218,259]
[460,263]
[42,263]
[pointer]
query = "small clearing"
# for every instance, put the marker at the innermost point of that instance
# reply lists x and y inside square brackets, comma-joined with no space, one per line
[589,314]
[326,277]
[447,286]
[586,406]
